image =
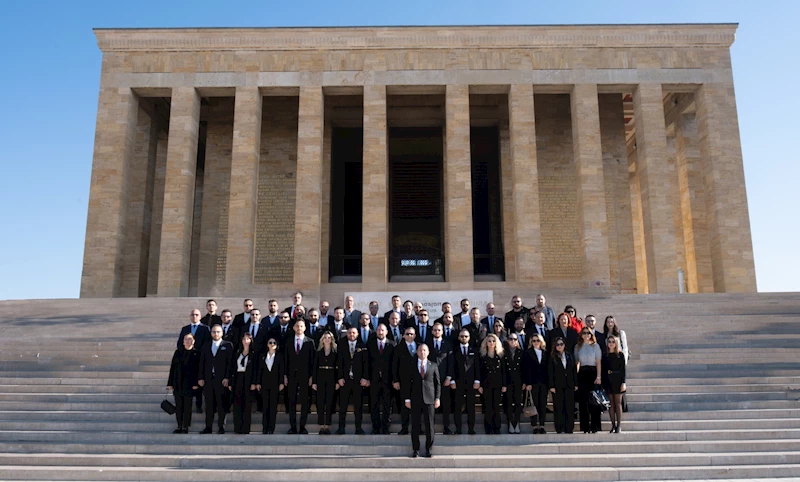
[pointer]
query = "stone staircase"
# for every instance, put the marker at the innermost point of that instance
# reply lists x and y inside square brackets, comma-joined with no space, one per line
[713,386]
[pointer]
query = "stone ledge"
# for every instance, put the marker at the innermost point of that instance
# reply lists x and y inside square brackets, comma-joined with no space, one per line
[361,38]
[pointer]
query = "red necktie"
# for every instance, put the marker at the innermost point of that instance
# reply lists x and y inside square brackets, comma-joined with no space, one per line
[422,370]
[297,347]
[293,308]
[381,348]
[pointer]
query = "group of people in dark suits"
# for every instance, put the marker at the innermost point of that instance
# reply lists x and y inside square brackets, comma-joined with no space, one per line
[399,361]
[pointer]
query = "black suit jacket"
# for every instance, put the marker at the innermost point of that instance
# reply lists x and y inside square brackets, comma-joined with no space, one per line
[420,390]
[561,377]
[341,332]
[402,363]
[402,317]
[270,379]
[571,338]
[210,320]
[275,331]
[601,340]
[370,336]
[453,338]
[359,363]
[531,329]
[443,357]
[380,364]
[476,334]
[532,371]
[318,331]
[201,336]
[428,334]
[259,344]
[299,366]
[485,322]
[466,369]
[510,317]
[381,321]
[221,366]
[493,372]
[390,334]
[238,320]
[250,372]
[233,335]
[513,367]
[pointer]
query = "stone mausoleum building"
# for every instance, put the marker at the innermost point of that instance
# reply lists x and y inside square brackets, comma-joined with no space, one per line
[234,162]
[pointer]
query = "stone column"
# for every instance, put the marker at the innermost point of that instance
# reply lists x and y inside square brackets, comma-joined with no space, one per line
[657,208]
[525,184]
[176,223]
[588,151]
[307,232]
[243,190]
[459,262]
[114,139]
[726,199]
[699,271]
[157,214]
[375,210]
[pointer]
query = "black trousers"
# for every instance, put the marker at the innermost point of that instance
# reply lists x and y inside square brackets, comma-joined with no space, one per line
[464,397]
[326,401]
[198,396]
[350,393]
[183,410]
[298,393]
[491,401]
[589,414]
[242,399]
[381,401]
[513,403]
[539,395]
[446,404]
[564,410]
[215,402]
[405,413]
[270,410]
[419,413]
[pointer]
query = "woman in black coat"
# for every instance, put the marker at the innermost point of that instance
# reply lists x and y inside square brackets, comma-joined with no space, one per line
[535,365]
[183,381]
[513,362]
[493,381]
[563,378]
[614,380]
[243,384]
[324,381]
[270,383]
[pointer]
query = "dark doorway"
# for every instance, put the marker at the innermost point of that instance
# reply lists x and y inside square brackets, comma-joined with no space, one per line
[346,215]
[415,204]
[487,196]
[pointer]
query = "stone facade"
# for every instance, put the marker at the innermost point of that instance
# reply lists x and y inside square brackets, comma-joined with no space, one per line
[619,156]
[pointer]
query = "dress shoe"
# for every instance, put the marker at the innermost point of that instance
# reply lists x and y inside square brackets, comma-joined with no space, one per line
[360,431]
[403,432]
[386,431]
[322,431]
[178,430]
[428,454]
[458,431]
[447,431]
[422,432]
[265,432]
[221,431]
[613,428]
[542,430]
[206,430]
[340,431]
[415,454]
[186,430]
[292,431]
[327,431]
[303,431]
[471,431]
[617,429]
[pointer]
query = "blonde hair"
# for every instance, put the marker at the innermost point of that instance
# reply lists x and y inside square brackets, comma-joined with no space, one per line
[537,337]
[498,347]
[616,344]
[321,346]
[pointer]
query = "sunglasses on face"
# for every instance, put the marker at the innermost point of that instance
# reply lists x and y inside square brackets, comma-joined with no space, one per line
[272,343]
[559,344]
[612,342]
[463,336]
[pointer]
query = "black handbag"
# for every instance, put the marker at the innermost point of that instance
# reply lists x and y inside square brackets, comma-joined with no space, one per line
[168,407]
[624,403]
[599,398]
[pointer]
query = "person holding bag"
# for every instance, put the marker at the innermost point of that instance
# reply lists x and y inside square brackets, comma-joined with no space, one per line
[183,381]
[535,366]
[588,357]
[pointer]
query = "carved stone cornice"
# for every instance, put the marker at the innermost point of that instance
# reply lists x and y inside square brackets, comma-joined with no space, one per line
[366,38]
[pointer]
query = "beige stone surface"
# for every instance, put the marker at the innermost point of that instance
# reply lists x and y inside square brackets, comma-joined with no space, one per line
[588,152]
[458,187]
[375,207]
[656,194]
[726,200]
[526,231]
[158,213]
[309,184]
[179,195]
[114,140]
[242,194]
[699,269]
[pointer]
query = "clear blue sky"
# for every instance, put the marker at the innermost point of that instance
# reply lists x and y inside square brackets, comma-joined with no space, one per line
[50,68]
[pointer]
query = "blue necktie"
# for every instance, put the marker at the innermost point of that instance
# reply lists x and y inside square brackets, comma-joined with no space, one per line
[194,329]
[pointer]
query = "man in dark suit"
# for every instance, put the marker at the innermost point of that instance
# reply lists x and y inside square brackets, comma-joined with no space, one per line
[516,310]
[449,328]
[374,319]
[273,315]
[299,362]
[229,331]
[538,326]
[339,326]
[211,318]
[259,331]
[216,368]
[424,334]
[282,330]
[297,299]
[422,396]
[351,315]
[364,329]
[314,329]
[403,360]
[441,351]
[477,331]
[466,380]
[396,304]
[395,329]
[202,336]
[488,321]
[446,308]
[325,313]
[243,318]
[381,352]
[522,336]
[353,364]
[591,323]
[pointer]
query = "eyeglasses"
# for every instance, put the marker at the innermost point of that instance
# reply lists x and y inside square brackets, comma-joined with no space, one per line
[271,343]
[538,341]
[463,336]
[612,342]
[586,333]
[513,339]
[409,334]
[559,344]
